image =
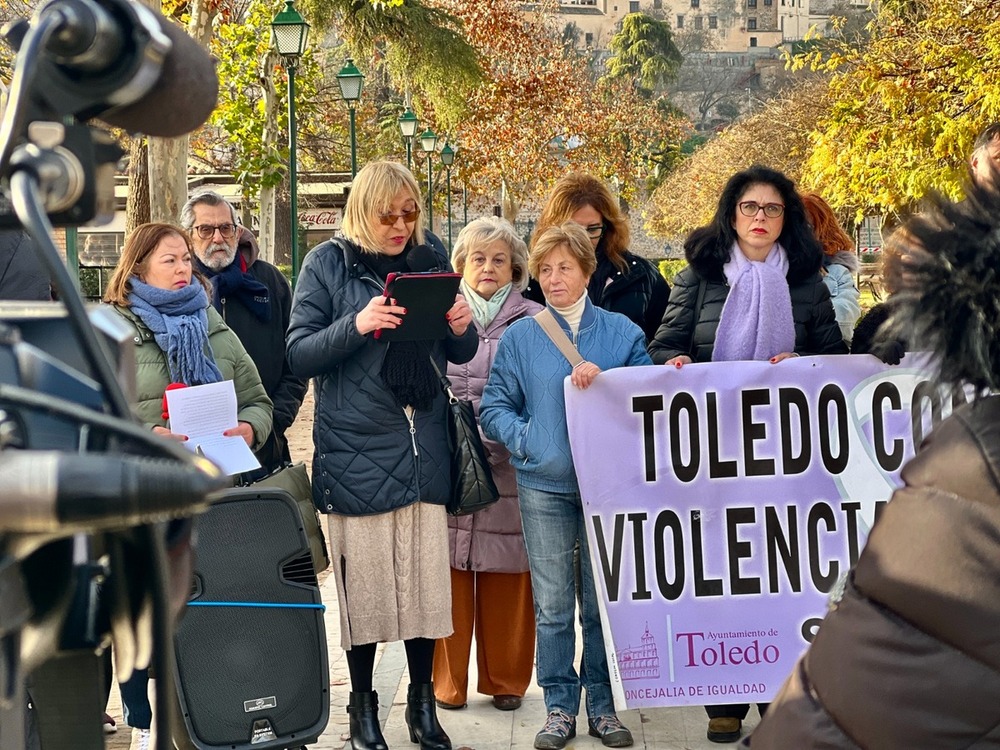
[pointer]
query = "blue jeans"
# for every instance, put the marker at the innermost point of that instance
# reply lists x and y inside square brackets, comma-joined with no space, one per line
[553,523]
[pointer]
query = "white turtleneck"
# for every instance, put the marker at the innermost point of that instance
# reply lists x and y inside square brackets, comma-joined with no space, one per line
[573,313]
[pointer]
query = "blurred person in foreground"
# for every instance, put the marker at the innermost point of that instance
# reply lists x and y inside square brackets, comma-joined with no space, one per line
[381,468]
[490,583]
[840,263]
[179,339]
[524,407]
[910,655]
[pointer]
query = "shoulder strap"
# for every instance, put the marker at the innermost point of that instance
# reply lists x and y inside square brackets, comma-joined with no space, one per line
[699,301]
[443,380]
[558,335]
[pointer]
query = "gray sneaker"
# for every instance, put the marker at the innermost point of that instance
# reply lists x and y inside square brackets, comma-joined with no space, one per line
[559,729]
[611,731]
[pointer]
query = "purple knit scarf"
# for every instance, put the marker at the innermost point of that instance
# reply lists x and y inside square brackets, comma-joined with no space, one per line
[756,322]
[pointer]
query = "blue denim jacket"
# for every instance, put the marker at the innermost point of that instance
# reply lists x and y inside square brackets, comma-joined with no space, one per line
[523,404]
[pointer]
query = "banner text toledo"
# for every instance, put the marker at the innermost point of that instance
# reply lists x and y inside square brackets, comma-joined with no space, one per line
[725,501]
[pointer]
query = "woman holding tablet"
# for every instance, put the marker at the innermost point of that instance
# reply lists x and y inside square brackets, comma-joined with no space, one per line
[381,466]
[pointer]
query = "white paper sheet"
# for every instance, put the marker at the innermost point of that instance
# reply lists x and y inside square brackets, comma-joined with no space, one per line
[203,413]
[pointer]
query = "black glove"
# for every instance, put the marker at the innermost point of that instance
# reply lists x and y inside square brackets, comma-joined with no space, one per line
[890,352]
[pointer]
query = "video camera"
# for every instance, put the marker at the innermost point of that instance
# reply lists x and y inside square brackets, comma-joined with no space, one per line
[95,532]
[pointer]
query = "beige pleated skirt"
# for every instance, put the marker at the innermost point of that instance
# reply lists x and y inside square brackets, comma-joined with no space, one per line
[393,577]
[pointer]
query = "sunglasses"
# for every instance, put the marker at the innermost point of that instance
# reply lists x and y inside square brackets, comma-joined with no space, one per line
[408,216]
[207,231]
[771,210]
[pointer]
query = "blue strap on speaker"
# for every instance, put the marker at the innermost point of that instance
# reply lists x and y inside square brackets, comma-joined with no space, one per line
[258,605]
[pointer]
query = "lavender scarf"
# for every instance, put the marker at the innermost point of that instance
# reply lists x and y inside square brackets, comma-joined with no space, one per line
[756,322]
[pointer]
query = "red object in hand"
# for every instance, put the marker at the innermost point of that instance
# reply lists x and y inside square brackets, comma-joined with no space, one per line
[171,387]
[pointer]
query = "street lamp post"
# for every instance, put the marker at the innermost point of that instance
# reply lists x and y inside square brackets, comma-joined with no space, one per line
[448,158]
[428,142]
[289,32]
[351,80]
[408,124]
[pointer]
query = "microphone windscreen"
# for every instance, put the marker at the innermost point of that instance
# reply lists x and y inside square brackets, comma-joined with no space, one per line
[183,97]
[422,258]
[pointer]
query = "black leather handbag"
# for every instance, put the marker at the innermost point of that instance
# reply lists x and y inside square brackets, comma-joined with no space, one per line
[472,485]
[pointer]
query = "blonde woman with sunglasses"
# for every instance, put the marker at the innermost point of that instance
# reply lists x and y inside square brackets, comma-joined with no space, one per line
[381,465]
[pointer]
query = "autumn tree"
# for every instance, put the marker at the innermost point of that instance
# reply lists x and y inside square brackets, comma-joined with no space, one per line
[540,112]
[777,136]
[417,44]
[906,108]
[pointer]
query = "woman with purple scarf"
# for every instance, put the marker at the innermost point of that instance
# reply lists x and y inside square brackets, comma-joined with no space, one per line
[752,290]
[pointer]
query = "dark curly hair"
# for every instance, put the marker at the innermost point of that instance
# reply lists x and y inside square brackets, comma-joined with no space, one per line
[946,274]
[707,248]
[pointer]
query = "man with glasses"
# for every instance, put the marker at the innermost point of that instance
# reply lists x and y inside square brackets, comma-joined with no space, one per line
[255,300]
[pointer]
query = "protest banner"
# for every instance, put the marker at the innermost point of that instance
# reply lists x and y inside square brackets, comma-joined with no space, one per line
[724,502]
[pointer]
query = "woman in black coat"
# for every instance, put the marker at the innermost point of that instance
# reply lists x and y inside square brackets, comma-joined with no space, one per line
[752,291]
[381,468]
[622,282]
[760,219]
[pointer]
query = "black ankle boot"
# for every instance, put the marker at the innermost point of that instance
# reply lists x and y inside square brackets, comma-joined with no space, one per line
[366,734]
[421,718]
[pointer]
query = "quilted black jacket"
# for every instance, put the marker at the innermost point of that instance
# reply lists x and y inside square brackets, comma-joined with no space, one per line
[686,331]
[365,460]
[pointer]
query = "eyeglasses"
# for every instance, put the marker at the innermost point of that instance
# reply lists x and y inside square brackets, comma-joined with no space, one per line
[207,231]
[408,216]
[771,210]
[594,231]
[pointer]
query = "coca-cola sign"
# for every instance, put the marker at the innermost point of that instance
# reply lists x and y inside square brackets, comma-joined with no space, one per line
[321,218]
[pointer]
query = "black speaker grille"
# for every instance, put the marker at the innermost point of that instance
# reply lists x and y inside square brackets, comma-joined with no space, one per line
[240,664]
[300,570]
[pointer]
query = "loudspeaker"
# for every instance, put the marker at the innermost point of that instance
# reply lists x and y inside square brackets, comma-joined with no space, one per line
[251,659]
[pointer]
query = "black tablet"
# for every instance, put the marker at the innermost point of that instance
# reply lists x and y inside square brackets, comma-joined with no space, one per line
[427,296]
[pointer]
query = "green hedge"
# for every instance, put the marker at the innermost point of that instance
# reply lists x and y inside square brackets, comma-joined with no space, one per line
[670,267]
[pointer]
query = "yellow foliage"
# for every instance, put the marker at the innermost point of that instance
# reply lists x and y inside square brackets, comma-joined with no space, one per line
[895,121]
[908,107]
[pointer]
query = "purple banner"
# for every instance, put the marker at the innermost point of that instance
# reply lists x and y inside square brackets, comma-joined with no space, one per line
[725,501]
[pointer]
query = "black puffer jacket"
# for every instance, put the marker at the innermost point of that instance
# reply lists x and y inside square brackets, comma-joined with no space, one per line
[639,292]
[22,275]
[265,343]
[687,331]
[366,460]
[910,657]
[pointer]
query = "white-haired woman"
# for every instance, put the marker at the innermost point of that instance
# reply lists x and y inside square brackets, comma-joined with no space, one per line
[381,463]
[490,582]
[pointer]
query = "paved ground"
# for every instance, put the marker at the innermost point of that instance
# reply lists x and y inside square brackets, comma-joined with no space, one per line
[476,727]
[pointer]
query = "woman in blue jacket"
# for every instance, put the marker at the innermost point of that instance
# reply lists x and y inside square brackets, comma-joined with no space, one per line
[381,468]
[524,408]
